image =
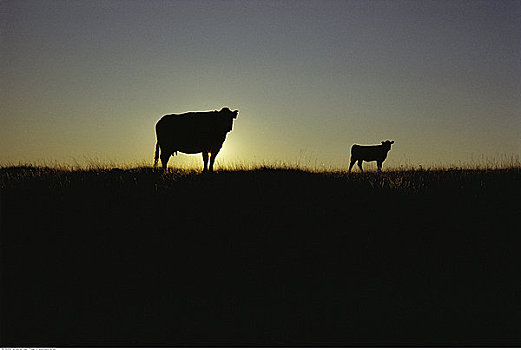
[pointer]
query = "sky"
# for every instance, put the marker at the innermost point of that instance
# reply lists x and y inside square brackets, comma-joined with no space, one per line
[86,81]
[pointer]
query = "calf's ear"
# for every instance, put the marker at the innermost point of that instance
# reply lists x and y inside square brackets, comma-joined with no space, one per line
[392,142]
[235,113]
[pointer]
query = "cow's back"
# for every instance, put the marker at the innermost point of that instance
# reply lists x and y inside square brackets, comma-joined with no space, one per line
[192,131]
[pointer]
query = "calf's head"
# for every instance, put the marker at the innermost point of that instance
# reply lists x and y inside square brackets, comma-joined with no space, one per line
[387,144]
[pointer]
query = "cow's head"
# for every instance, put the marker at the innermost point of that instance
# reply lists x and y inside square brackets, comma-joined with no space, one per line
[226,111]
[387,144]
[228,117]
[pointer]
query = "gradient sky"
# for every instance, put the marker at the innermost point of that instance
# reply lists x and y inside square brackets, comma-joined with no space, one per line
[87,80]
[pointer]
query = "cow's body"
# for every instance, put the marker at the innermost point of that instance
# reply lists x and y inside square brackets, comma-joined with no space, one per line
[376,153]
[193,132]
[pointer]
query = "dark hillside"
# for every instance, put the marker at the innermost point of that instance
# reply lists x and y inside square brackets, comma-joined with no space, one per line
[261,257]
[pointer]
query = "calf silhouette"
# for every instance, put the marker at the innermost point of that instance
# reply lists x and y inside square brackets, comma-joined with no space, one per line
[193,132]
[376,153]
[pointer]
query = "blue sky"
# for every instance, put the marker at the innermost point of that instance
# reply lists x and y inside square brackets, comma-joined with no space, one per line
[84,80]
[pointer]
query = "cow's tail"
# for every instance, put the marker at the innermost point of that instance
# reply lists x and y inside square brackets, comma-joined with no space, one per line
[156,156]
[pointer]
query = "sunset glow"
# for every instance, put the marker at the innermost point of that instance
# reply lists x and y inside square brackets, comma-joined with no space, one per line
[86,80]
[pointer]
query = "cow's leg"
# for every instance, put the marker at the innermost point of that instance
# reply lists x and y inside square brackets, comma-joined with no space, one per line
[165,156]
[353,161]
[359,163]
[156,155]
[379,165]
[205,161]
[212,158]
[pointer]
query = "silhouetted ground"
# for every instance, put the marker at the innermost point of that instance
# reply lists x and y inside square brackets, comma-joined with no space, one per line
[265,257]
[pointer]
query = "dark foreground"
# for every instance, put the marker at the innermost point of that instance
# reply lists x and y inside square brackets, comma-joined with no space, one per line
[260,258]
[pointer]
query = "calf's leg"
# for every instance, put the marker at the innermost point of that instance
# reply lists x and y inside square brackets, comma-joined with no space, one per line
[353,161]
[205,161]
[359,163]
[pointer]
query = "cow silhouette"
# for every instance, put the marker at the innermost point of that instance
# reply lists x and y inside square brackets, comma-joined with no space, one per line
[193,132]
[376,153]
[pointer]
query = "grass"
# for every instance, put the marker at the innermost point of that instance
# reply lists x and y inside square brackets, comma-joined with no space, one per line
[260,256]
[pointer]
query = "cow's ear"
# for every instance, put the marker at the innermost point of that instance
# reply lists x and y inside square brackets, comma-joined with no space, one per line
[392,142]
[235,113]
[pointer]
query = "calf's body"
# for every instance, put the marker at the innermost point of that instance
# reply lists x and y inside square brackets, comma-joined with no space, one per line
[376,153]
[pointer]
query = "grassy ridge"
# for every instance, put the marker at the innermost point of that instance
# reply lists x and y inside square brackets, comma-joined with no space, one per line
[267,256]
